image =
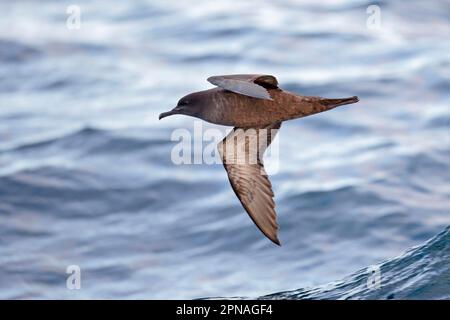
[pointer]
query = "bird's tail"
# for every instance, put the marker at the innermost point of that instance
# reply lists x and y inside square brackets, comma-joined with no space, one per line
[333,103]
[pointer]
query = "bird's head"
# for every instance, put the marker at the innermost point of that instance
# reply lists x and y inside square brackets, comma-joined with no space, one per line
[190,105]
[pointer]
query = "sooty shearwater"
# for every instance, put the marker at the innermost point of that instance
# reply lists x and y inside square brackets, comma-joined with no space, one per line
[255,106]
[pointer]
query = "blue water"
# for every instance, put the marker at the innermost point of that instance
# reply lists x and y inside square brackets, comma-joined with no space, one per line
[420,273]
[86,176]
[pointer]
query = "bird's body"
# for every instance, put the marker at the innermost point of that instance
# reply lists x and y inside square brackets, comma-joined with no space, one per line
[232,109]
[251,103]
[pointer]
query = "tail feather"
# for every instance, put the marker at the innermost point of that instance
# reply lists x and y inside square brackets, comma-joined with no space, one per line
[332,103]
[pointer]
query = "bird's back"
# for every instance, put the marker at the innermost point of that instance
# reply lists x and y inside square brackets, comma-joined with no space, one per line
[232,109]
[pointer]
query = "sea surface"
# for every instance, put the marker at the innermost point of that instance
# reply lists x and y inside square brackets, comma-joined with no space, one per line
[86,171]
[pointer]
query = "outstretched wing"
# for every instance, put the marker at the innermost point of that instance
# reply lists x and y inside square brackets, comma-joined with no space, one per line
[252,85]
[242,152]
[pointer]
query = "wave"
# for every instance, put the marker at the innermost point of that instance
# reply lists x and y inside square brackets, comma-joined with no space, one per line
[91,140]
[422,272]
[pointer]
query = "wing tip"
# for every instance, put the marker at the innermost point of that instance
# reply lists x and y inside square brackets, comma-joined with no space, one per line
[269,96]
[276,241]
[273,238]
[211,78]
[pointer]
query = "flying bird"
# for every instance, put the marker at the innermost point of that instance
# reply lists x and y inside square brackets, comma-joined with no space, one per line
[255,106]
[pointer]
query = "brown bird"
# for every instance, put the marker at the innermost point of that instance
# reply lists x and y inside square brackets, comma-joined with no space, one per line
[256,107]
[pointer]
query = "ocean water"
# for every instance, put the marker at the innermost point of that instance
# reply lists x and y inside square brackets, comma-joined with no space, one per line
[86,176]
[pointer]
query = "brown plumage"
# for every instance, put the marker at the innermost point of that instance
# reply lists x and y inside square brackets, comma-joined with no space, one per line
[256,107]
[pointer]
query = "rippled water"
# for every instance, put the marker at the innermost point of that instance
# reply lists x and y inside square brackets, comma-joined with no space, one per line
[85,171]
[420,273]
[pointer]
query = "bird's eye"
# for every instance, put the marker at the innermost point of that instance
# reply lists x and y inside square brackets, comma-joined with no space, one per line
[184,102]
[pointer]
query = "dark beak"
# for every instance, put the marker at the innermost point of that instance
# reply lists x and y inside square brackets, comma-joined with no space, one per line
[168,113]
